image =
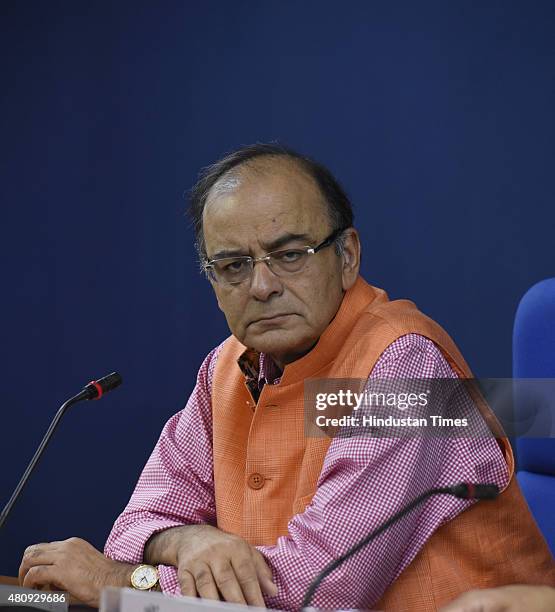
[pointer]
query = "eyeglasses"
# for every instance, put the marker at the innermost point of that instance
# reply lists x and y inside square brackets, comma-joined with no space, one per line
[235,270]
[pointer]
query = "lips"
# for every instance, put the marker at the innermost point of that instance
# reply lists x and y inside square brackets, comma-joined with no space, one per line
[270,318]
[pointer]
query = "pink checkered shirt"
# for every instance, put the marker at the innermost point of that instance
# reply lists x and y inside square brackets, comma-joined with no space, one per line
[364,480]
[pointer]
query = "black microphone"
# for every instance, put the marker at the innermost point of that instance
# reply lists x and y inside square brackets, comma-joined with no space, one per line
[97,388]
[94,390]
[464,490]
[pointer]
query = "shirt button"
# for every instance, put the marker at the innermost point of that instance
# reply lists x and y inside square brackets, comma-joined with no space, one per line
[255,481]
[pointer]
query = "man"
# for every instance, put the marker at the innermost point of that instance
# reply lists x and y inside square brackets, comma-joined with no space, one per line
[235,501]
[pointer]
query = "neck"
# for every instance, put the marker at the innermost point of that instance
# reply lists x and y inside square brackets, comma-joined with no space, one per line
[282,360]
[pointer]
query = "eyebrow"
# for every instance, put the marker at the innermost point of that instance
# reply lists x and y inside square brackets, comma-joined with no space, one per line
[268,246]
[283,240]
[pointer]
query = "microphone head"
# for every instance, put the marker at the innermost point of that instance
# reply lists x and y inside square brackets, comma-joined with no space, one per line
[469,490]
[97,388]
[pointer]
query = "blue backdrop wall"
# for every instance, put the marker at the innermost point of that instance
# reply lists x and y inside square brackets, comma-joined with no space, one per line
[436,116]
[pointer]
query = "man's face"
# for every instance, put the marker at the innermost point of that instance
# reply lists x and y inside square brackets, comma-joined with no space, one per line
[282,316]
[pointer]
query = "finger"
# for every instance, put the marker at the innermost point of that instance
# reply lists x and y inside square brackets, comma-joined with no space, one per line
[227,582]
[40,576]
[245,570]
[187,583]
[264,573]
[37,554]
[204,581]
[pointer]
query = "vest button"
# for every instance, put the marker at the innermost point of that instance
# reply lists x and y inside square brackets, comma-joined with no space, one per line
[255,481]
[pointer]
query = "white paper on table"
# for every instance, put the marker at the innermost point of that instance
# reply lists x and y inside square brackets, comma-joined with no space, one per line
[132,600]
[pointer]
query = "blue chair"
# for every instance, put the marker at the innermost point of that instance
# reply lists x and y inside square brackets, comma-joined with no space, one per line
[534,357]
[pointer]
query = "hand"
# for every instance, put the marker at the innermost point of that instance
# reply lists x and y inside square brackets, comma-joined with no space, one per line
[211,563]
[73,565]
[513,598]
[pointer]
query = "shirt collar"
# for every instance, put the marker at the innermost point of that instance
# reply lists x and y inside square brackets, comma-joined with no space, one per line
[259,369]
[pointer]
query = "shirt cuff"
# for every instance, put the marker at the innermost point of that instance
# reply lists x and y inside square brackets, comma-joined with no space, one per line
[129,544]
[168,580]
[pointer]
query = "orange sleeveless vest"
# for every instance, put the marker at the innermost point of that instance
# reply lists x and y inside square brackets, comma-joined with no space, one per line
[266,470]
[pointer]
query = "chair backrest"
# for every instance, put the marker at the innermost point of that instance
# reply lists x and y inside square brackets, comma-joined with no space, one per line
[534,357]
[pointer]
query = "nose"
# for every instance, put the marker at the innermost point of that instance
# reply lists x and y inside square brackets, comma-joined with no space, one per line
[264,283]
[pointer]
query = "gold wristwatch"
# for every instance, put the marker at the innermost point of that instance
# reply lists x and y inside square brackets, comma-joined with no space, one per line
[145,578]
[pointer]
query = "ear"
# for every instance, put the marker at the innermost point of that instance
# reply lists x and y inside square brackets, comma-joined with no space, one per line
[351,258]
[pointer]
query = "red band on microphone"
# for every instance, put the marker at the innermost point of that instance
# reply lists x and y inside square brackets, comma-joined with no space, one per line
[471,490]
[98,389]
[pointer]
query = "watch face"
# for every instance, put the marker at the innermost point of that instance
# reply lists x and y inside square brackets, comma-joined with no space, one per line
[144,577]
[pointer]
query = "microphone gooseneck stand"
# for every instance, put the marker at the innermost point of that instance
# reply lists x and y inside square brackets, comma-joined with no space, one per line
[94,390]
[463,491]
